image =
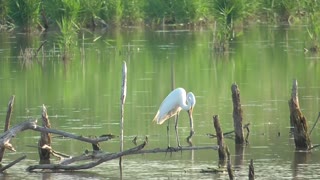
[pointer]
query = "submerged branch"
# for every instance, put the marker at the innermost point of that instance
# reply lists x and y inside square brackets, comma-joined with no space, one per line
[106,157]
[32,125]
[12,163]
[98,154]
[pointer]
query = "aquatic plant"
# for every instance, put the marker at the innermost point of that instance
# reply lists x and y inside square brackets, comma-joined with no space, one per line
[3,11]
[90,12]
[170,11]
[68,32]
[131,12]
[226,13]
[314,25]
[25,13]
[280,11]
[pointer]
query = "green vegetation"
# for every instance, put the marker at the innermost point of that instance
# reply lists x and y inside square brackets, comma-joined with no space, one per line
[226,17]
[25,13]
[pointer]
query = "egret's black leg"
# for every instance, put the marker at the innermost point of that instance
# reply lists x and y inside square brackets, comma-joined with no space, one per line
[176,129]
[168,133]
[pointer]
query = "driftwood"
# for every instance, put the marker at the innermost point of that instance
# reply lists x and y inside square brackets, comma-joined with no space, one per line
[251,170]
[298,121]
[237,114]
[88,165]
[32,125]
[7,123]
[45,138]
[98,155]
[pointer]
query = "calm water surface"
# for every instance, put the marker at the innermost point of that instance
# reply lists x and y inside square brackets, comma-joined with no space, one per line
[82,96]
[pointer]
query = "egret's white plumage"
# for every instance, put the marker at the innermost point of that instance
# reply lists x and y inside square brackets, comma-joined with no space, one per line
[173,104]
[176,101]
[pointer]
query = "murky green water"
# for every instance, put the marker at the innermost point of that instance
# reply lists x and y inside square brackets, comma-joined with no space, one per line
[83,97]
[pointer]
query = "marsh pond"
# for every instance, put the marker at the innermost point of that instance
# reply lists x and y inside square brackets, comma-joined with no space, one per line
[82,96]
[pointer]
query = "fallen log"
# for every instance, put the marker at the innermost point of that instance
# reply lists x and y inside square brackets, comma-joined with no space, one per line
[32,125]
[105,158]
[98,155]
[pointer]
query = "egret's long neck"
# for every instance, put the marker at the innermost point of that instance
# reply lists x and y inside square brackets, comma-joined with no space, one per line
[186,106]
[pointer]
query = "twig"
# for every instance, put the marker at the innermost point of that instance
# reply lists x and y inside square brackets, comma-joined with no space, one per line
[314,146]
[12,163]
[227,133]
[315,123]
[36,54]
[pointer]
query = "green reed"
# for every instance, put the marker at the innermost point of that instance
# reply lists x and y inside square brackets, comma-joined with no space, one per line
[25,13]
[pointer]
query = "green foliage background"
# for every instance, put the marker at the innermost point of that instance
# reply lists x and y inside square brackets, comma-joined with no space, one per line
[28,13]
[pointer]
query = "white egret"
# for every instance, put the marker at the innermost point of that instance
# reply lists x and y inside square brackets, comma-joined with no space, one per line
[176,101]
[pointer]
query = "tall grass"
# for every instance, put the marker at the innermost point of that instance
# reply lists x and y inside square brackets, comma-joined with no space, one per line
[313,9]
[226,13]
[67,38]
[25,13]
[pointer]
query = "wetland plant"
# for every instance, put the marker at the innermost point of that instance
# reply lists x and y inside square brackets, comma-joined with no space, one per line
[25,13]
[67,37]
[226,14]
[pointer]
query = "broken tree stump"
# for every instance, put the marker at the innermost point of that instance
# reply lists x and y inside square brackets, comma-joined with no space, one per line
[237,114]
[45,138]
[229,166]
[251,170]
[220,141]
[7,125]
[298,121]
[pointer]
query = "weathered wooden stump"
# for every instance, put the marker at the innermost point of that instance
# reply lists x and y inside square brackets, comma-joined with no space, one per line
[229,166]
[237,114]
[45,139]
[7,123]
[220,141]
[251,170]
[298,121]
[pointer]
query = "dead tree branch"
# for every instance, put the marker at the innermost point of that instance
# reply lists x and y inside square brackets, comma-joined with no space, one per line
[7,125]
[32,125]
[105,158]
[12,163]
